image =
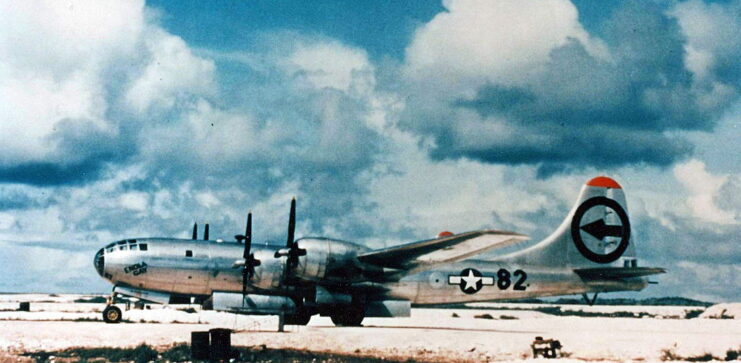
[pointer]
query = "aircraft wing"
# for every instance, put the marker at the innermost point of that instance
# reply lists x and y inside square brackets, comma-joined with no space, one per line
[446,249]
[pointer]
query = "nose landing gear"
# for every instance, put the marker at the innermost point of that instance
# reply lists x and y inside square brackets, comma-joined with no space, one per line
[112,314]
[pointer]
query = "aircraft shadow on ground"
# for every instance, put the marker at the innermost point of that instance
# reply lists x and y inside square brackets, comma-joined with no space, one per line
[445,328]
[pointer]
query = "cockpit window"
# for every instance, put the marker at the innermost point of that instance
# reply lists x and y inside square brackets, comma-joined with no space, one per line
[132,241]
[111,245]
[123,242]
[132,247]
[121,248]
[142,246]
[109,249]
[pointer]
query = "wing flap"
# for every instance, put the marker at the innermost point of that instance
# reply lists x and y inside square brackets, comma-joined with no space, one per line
[441,250]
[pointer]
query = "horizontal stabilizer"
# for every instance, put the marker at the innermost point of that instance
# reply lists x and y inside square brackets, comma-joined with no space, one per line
[445,249]
[609,273]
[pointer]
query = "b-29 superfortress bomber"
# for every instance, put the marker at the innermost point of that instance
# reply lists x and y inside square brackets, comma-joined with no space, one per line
[590,252]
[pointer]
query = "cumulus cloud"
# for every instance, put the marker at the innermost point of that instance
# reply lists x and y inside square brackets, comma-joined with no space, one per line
[713,44]
[330,64]
[474,42]
[707,192]
[576,101]
[172,72]
[63,68]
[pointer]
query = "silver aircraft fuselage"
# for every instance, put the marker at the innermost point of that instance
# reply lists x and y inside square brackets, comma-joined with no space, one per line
[200,268]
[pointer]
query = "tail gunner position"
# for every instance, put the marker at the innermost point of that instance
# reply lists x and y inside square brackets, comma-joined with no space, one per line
[590,252]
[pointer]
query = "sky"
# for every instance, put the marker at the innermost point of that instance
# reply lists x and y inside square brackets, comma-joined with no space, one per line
[389,121]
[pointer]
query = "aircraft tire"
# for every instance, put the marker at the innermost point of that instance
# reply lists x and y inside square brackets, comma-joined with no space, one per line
[112,314]
[301,318]
[351,316]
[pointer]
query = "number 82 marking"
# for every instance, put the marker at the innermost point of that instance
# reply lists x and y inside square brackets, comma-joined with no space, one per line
[504,279]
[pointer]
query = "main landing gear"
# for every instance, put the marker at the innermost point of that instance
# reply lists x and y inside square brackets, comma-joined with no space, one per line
[301,317]
[112,314]
[351,315]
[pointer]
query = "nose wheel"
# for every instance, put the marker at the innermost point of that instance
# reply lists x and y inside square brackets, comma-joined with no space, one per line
[112,314]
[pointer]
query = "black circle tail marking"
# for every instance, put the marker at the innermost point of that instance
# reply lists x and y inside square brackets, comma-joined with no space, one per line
[599,230]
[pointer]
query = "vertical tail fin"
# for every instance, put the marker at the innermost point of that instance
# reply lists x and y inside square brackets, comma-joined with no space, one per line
[596,232]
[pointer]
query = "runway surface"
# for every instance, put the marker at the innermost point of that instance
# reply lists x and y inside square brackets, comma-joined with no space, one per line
[430,334]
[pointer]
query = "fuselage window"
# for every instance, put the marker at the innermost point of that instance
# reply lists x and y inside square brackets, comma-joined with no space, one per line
[188,253]
[142,247]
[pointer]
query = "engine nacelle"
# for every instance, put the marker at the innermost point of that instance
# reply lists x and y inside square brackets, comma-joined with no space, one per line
[270,271]
[328,260]
[252,303]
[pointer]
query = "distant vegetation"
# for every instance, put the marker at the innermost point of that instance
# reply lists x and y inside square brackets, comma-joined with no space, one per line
[654,301]
[555,310]
[92,300]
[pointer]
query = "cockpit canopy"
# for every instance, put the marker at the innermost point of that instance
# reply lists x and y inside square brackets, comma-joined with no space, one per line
[126,245]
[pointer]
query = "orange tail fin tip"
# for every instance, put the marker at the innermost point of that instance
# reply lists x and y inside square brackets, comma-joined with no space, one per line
[604,182]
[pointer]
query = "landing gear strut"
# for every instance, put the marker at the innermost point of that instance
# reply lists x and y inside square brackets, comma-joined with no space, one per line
[588,300]
[112,314]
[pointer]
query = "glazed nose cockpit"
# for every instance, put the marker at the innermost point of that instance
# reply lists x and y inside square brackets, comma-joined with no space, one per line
[113,252]
[99,262]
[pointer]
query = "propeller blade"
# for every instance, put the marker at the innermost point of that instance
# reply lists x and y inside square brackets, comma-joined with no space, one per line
[291,223]
[249,258]
[248,230]
[205,233]
[245,277]
[195,231]
[248,237]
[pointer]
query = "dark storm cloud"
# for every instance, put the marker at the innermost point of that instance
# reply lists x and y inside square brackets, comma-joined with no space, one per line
[81,152]
[584,111]
[701,258]
[687,240]
[728,197]
[50,174]
[16,200]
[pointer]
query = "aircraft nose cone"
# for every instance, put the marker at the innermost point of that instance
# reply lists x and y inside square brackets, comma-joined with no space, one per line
[99,262]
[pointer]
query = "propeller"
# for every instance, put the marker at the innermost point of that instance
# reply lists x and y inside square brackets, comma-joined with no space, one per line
[195,231]
[292,251]
[248,270]
[205,233]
